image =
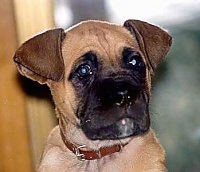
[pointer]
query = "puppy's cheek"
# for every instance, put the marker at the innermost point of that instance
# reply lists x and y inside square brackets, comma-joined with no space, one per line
[144,125]
[64,100]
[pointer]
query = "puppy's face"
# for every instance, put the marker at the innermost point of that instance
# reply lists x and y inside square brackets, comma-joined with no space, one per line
[108,76]
[103,82]
[112,98]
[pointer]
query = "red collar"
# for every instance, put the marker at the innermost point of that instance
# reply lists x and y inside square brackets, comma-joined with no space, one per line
[91,154]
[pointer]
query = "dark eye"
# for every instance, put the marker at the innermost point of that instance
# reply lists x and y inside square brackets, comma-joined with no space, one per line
[84,70]
[135,60]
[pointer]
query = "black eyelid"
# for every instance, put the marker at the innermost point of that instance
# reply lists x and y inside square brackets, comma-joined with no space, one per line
[89,56]
[134,55]
[127,52]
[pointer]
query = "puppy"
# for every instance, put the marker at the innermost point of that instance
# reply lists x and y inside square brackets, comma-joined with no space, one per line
[99,75]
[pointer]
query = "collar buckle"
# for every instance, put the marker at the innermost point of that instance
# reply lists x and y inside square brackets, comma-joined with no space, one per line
[80,156]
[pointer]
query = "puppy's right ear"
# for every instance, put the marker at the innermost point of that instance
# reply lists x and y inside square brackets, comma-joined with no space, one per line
[153,41]
[40,58]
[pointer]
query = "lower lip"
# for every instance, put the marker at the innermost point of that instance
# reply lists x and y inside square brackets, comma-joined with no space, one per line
[125,127]
[126,122]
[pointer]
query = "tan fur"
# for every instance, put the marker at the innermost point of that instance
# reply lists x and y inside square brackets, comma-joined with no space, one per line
[142,153]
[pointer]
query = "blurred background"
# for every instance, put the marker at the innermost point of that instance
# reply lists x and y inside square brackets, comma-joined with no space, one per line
[27,112]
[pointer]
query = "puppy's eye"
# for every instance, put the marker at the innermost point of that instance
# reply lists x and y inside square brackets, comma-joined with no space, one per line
[135,60]
[84,70]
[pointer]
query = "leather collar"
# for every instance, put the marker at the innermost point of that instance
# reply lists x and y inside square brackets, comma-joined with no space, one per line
[91,154]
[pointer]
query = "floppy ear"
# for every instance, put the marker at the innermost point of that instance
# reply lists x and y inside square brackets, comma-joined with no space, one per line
[40,58]
[154,42]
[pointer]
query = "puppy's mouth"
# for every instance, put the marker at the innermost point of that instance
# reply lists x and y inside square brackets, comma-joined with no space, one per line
[116,109]
[123,128]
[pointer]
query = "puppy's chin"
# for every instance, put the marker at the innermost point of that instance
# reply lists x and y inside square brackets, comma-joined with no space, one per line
[123,128]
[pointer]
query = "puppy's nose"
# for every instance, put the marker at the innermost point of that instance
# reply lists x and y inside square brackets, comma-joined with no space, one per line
[116,93]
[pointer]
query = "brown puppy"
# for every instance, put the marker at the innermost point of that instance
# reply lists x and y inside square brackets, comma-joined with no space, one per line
[99,75]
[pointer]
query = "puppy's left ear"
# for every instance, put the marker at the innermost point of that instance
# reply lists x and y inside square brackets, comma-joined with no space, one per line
[40,58]
[154,42]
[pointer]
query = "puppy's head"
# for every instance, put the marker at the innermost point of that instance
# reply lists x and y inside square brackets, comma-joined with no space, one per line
[99,74]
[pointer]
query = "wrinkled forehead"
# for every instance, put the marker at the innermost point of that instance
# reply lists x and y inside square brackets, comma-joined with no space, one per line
[105,39]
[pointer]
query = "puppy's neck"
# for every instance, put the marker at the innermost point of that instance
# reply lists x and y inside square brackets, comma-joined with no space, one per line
[141,149]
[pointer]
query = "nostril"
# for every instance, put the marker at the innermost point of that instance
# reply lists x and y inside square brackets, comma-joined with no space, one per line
[119,100]
[122,97]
